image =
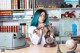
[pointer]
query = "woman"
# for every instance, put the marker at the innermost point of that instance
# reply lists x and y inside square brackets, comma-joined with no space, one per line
[37,28]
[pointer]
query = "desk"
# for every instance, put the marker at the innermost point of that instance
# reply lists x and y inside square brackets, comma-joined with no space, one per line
[41,49]
[76,38]
[63,39]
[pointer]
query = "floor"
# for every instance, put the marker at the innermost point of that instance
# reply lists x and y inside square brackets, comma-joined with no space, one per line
[41,49]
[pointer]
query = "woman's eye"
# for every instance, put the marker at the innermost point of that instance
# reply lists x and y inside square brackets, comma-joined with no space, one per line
[42,15]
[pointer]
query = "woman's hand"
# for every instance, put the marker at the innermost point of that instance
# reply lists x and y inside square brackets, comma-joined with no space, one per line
[36,31]
[41,25]
[45,30]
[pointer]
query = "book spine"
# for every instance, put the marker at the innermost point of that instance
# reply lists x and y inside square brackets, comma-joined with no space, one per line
[11,16]
[9,28]
[21,4]
[17,28]
[12,4]
[20,29]
[24,29]
[25,4]
[5,28]
[18,4]
[0,28]
[15,4]
[5,13]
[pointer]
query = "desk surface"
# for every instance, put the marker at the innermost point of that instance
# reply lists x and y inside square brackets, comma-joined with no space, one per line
[41,49]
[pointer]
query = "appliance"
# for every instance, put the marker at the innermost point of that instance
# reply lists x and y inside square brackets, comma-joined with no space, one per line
[12,40]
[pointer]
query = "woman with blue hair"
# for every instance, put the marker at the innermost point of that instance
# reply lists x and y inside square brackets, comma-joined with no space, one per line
[37,28]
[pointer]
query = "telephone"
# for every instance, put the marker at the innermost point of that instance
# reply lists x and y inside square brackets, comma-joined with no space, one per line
[49,37]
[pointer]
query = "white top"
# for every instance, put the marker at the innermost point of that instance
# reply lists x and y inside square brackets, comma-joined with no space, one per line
[35,38]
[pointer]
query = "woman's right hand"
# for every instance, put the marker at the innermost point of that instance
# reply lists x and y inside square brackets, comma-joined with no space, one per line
[37,31]
[41,25]
[45,30]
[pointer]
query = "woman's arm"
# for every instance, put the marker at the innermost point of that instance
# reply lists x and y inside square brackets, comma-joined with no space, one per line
[33,36]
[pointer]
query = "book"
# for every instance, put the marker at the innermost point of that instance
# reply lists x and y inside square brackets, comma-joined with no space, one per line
[5,4]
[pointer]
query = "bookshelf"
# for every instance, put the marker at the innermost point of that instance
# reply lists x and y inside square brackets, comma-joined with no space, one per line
[15,9]
[13,13]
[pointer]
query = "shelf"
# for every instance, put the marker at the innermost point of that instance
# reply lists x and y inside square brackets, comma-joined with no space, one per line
[70,8]
[48,8]
[22,9]
[13,19]
[23,19]
[17,9]
[70,36]
[58,8]
[75,37]
[54,19]
[7,20]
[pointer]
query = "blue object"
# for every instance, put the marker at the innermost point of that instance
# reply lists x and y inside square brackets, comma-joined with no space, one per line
[74,30]
[20,29]
[6,17]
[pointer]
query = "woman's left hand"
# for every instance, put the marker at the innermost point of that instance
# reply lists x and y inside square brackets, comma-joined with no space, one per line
[45,30]
[41,25]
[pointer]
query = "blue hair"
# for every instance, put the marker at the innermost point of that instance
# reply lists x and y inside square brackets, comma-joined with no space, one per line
[35,18]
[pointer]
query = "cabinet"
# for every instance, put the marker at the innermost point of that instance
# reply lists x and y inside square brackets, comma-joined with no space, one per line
[12,40]
[69,27]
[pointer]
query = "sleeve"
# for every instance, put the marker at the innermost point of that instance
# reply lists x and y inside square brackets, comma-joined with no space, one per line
[30,30]
[52,30]
[34,38]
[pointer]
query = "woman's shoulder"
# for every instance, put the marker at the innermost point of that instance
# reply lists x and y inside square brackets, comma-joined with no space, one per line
[32,27]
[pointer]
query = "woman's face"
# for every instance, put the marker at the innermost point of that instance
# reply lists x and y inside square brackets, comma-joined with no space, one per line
[42,17]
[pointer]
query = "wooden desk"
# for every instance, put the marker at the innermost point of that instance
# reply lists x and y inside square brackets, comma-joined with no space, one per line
[41,49]
[76,38]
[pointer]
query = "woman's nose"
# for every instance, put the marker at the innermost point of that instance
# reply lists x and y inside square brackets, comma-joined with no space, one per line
[43,17]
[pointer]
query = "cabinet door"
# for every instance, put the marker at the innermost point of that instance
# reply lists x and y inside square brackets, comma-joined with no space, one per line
[66,28]
[2,40]
[8,40]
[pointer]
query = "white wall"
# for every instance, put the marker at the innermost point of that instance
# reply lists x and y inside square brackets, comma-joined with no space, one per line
[55,24]
[73,3]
